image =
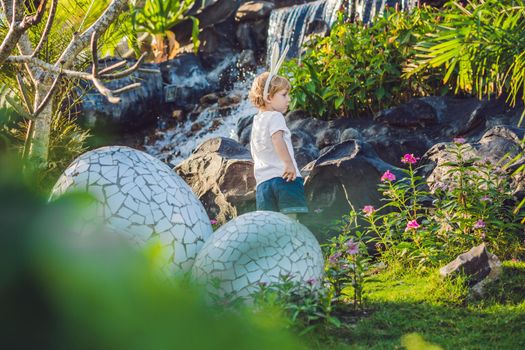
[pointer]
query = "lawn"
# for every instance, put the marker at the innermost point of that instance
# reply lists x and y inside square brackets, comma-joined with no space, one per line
[423,312]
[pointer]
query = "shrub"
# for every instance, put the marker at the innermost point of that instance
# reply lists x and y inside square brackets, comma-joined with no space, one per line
[420,229]
[357,69]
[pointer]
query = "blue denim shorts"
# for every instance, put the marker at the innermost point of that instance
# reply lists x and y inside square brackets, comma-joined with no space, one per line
[279,195]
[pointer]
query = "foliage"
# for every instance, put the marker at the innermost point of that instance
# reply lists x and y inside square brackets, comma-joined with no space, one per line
[357,69]
[8,118]
[67,139]
[346,266]
[439,311]
[470,47]
[480,45]
[157,18]
[65,290]
[418,228]
[305,306]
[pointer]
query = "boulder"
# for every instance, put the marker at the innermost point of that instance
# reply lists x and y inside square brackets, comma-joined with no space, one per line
[421,123]
[345,175]
[415,113]
[209,13]
[187,81]
[494,274]
[252,35]
[493,146]
[137,108]
[474,264]
[254,10]
[220,172]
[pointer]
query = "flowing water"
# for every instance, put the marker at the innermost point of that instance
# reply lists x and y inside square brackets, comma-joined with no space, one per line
[177,144]
[366,10]
[289,25]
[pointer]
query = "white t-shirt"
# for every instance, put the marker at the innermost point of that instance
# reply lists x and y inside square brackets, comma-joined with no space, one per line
[267,163]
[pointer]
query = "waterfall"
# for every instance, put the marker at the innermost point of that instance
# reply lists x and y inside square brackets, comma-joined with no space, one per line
[288,25]
[366,10]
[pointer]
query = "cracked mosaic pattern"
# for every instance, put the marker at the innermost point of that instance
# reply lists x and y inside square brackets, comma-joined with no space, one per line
[143,199]
[258,247]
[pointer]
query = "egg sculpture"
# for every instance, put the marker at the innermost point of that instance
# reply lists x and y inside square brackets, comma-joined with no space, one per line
[142,199]
[258,247]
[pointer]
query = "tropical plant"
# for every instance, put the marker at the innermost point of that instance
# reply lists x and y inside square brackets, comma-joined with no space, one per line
[480,45]
[36,74]
[157,18]
[357,69]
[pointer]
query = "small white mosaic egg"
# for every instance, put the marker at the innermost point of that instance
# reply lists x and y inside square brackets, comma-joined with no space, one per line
[258,247]
[142,199]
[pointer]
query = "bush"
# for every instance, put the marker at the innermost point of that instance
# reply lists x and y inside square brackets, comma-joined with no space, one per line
[357,69]
[419,229]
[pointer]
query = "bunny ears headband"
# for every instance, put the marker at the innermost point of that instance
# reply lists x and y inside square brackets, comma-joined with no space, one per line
[275,63]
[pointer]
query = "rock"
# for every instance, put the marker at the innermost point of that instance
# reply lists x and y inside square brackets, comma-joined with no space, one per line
[414,113]
[495,144]
[348,172]
[304,147]
[350,134]
[230,99]
[244,129]
[196,126]
[474,264]
[494,274]
[220,172]
[252,35]
[187,80]
[211,13]
[254,10]
[178,115]
[137,108]
[328,137]
[209,99]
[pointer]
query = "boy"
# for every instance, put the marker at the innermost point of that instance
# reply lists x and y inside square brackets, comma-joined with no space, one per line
[279,185]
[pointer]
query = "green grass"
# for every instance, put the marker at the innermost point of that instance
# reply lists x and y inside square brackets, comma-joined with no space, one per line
[439,312]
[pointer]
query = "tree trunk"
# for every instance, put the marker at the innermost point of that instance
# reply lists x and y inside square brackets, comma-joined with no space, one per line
[39,142]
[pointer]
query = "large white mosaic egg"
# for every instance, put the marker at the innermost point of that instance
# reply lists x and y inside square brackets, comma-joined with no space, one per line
[143,199]
[258,247]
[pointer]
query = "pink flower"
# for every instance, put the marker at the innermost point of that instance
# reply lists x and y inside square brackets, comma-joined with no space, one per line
[333,258]
[485,199]
[353,247]
[388,176]
[213,222]
[459,140]
[412,225]
[479,224]
[409,159]
[311,281]
[368,210]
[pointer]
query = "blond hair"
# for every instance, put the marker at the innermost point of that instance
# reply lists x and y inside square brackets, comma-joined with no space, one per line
[257,91]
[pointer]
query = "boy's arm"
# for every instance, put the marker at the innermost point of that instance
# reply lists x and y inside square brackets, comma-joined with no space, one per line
[282,151]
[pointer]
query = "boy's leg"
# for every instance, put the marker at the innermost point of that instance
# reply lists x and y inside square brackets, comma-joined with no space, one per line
[291,198]
[265,197]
